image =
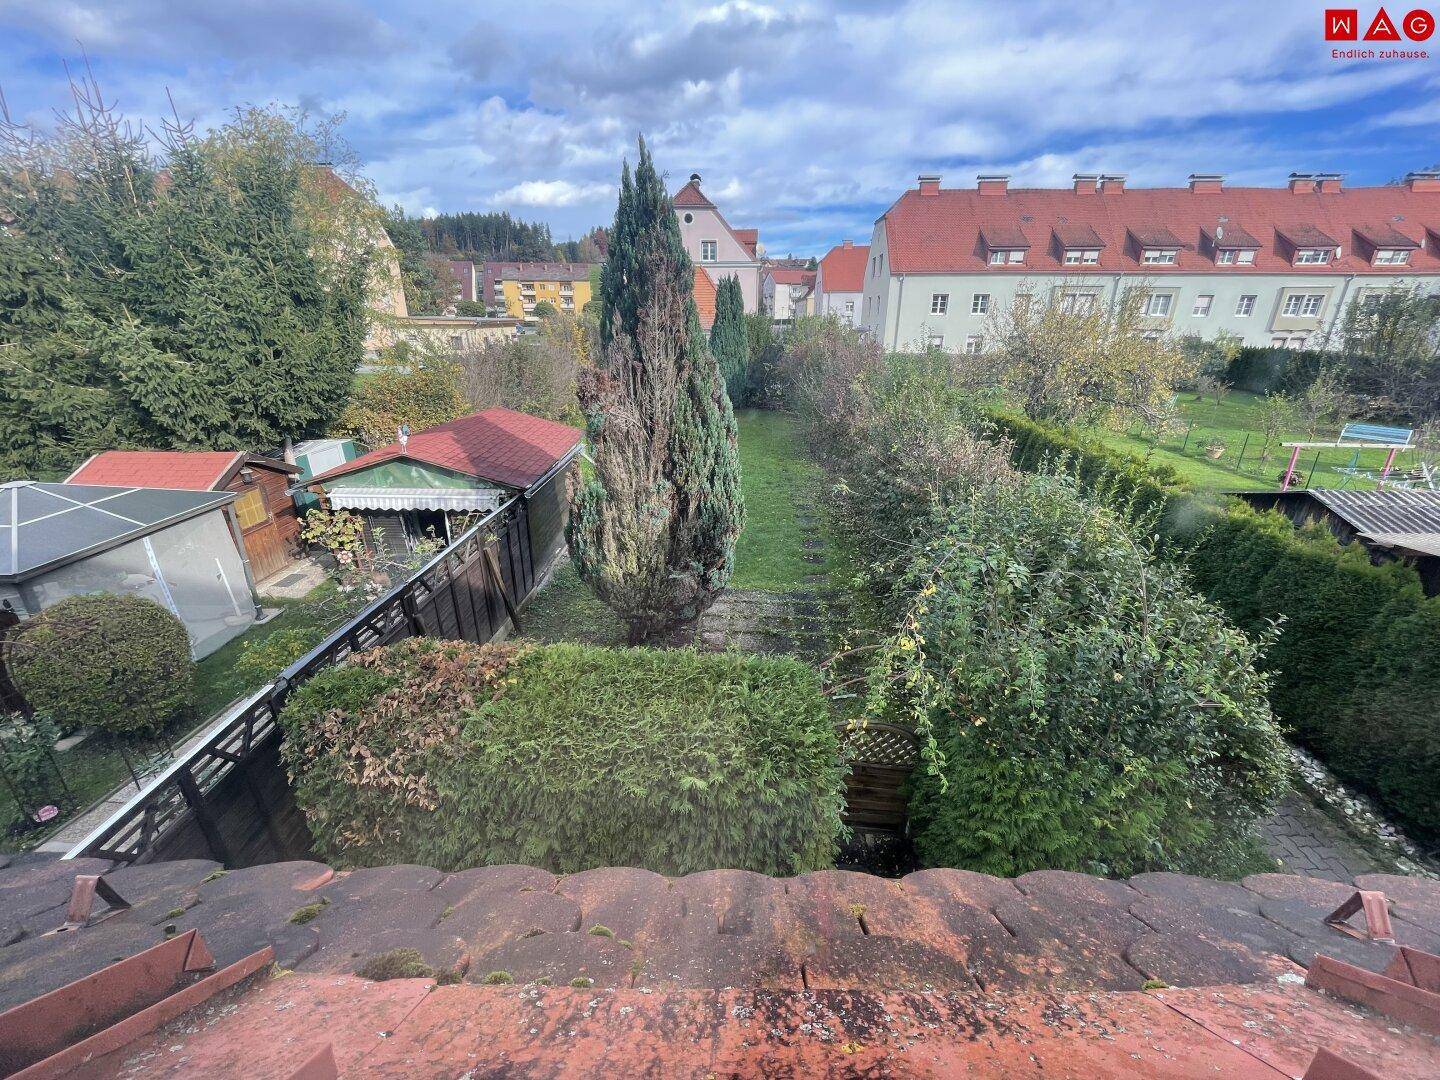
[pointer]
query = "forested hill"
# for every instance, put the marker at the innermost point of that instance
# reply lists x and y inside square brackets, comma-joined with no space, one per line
[482,236]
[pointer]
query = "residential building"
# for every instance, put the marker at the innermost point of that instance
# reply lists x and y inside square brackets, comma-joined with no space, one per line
[464,273]
[712,243]
[840,281]
[264,511]
[1273,266]
[455,332]
[787,292]
[514,288]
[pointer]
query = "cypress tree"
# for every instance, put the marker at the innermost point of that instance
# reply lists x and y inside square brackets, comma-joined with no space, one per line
[653,530]
[729,342]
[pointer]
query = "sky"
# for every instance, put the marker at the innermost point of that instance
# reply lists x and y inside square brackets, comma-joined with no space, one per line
[806,120]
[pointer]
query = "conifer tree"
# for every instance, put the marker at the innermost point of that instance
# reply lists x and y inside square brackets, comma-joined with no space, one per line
[729,342]
[653,530]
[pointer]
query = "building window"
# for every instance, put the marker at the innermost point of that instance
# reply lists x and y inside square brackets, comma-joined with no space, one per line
[1202,305]
[935,341]
[1226,256]
[1278,342]
[250,509]
[456,341]
[1245,306]
[1391,257]
[974,344]
[1081,257]
[1303,305]
[1157,306]
[980,303]
[1151,335]
[689,218]
[709,250]
[1312,256]
[1007,255]
[849,307]
[1077,303]
[939,303]
[1158,257]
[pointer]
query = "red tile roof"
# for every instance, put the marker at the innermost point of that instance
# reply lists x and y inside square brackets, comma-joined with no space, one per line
[784,275]
[940,232]
[705,296]
[843,267]
[690,195]
[500,445]
[202,470]
[749,239]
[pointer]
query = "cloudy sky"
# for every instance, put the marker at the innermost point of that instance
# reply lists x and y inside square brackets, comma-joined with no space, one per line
[806,119]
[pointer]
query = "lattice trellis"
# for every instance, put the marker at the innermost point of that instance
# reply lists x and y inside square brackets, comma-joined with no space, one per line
[880,744]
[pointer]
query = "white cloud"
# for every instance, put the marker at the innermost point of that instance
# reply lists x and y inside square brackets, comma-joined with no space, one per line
[552,193]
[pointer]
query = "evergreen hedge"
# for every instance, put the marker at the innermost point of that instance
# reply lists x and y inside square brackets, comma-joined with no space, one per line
[121,664]
[1354,665]
[568,757]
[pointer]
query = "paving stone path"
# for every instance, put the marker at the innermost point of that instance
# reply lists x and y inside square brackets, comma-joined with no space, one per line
[1307,842]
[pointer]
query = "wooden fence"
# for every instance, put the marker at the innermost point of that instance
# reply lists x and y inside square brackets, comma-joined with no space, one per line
[228,799]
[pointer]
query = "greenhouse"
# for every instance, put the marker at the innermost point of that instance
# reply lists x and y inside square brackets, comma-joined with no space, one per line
[175,547]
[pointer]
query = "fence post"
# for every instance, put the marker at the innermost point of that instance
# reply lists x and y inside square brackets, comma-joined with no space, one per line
[1188,428]
[1241,463]
[209,827]
[1313,465]
[412,613]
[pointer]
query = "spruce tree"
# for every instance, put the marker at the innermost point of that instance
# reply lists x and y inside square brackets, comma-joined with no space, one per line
[653,530]
[728,340]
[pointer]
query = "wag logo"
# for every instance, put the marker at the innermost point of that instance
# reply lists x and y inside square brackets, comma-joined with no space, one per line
[1343,24]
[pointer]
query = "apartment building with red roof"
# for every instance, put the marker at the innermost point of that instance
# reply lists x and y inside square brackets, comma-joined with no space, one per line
[786,292]
[1274,266]
[712,243]
[840,281]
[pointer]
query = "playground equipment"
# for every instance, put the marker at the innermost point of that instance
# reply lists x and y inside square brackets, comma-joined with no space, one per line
[1360,437]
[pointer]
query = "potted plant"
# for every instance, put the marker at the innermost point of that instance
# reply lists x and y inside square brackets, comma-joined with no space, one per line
[1214,448]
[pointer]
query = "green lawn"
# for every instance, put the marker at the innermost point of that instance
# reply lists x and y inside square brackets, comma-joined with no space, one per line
[1236,416]
[776,477]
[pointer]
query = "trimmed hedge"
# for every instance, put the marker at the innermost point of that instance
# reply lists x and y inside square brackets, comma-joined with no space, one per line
[568,757]
[118,663]
[1354,667]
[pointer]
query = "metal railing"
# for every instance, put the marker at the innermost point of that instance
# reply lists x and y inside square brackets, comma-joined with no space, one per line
[470,591]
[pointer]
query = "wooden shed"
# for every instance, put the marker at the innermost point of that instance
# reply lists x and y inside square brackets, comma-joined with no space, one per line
[269,525]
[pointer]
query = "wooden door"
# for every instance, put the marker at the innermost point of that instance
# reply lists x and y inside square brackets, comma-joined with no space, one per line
[263,545]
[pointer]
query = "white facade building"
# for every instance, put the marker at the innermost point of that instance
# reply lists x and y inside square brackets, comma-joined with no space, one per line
[1274,266]
[786,292]
[840,282]
[713,244]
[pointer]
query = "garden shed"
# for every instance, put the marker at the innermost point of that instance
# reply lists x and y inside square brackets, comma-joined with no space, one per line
[1398,523]
[269,525]
[409,489]
[176,547]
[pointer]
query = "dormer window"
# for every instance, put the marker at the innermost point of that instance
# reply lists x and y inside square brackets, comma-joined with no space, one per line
[1235,257]
[1007,256]
[1005,245]
[1081,256]
[1312,256]
[1391,257]
[1159,256]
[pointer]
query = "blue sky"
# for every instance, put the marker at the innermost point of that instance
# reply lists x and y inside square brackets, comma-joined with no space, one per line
[806,119]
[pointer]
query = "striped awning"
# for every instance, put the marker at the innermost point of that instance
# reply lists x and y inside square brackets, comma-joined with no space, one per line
[390,498]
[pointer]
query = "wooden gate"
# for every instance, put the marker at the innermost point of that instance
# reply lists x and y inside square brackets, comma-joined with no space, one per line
[881,757]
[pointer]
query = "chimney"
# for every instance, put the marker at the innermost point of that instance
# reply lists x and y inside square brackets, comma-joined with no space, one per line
[992,183]
[1422,181]
[1085,183]
[929,183]
[848,244]
[1301,183]
[1328,183]
[1113,184]
[1206,183]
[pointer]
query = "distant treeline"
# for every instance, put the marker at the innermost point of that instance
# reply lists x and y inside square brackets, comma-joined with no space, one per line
[481,236]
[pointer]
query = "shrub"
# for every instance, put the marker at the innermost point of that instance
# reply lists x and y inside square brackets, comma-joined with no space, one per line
[260,661]
[1091,712]
[567,757]
[118,663]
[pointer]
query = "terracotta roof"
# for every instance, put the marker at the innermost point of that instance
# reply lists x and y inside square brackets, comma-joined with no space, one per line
[1077,237]
[732,973]
[843,267]
[749,239]
[537,271]
[1002,237]
[1385,235]
[1234,236]
[500,445]
[202,470]
[940,232]
[705,296]
[691,196]
[784,275]
[1155,236]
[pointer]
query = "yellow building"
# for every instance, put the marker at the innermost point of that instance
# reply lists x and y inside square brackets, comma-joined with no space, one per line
[514,288]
